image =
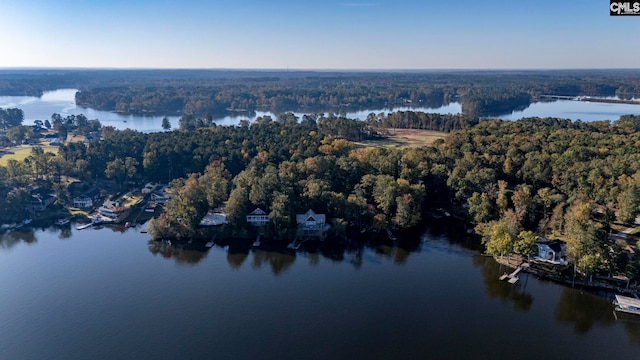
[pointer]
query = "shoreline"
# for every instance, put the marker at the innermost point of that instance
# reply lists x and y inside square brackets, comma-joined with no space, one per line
[558,275]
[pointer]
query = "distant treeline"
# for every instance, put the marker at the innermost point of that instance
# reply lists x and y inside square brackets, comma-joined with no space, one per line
[486,94]
[223,92]
[275,95]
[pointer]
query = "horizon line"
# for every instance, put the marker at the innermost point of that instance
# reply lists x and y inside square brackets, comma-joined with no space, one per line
[4,68]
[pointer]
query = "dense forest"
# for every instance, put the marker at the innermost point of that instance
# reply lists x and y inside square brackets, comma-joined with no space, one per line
[481,94]
[224,92]
[550,177]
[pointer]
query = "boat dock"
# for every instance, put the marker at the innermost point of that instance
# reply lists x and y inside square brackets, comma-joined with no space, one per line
[513,277]
[627,304]
[82,227]
[211,242]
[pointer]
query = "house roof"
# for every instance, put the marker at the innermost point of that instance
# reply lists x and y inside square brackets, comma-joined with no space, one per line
[310,216]
[111,204]
[555,245]
[92,193]
[258,211]
[40,198]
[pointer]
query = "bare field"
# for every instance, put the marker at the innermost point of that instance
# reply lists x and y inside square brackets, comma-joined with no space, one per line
[406,138]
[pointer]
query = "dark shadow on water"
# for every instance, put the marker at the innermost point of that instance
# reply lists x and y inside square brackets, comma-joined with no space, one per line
[10,239]
[236,259]
[631,325]
[182,252]
[454,231]
[357,249]
[498,289]
[278,261]
[65,233]
[583,310]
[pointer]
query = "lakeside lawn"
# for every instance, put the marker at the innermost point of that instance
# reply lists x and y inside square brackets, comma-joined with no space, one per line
[77,212]
[131,200]
[405,138]
[21,152]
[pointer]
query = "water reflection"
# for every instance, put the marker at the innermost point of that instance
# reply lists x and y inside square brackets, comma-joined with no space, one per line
[235,260]
[278,262]
[313,259]
[514,293]
[279,255]
[583,310]
[396,254]
[65,233]
[187,253]
[631,325]
[27,235]
[12,238]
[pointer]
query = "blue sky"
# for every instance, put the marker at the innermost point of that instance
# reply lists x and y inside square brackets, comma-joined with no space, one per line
[312,34]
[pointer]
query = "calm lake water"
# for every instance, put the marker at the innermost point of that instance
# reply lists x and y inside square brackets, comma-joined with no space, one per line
[575,110]
[106,294]
[63,102]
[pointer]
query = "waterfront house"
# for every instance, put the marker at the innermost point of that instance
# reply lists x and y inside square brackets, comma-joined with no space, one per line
[39,201]
[258,218]
[111,209]
[160,196]
[87,199]
[311,221]
[552,251]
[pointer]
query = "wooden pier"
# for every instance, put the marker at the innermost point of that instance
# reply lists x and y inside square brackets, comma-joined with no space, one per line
[82,227]
[257,242]
[513,277]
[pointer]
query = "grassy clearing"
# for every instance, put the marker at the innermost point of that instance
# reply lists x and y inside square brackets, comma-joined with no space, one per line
[22,152]
[76,138]
[405,138]
[77,212]
[131,200]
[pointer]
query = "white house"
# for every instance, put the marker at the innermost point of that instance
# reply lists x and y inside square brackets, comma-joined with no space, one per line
[553,251]
[111,209]
[258,218]
[87,199]
[82,201]
[160,196]
[311,221]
